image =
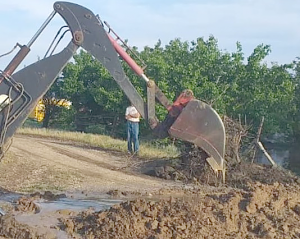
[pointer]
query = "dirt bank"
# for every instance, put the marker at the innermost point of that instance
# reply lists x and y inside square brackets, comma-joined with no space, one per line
[256,202]
[268,211]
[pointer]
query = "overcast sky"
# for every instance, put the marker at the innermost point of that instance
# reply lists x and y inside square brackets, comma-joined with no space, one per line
[143,22]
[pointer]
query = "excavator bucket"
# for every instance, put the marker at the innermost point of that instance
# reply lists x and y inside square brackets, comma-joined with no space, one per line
[200,124]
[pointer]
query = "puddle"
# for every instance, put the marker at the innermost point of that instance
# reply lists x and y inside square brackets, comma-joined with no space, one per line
[9,197]
[7,201]
[77,205]
[48,220]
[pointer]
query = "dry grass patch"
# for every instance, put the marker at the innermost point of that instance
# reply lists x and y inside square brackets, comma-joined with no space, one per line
[103,141]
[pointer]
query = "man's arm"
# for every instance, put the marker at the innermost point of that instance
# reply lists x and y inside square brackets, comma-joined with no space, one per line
[135,115]
[129,115]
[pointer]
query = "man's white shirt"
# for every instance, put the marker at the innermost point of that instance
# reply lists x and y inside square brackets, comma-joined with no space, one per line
[131,110]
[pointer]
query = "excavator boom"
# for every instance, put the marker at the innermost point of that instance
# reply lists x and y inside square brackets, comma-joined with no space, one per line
[188,119]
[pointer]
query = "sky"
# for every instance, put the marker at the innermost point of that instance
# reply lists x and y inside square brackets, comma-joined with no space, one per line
[144,22]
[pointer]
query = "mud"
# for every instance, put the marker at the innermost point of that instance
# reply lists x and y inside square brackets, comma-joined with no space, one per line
[260,210]
[193,168]
[244,174]
[256,202]
[268,211]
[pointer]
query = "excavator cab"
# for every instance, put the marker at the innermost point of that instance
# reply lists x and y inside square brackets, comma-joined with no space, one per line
[188,119]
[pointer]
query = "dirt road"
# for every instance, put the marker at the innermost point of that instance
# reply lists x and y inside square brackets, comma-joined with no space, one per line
[64,166]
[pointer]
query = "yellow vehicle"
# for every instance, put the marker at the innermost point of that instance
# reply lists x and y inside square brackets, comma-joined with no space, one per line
[38,113]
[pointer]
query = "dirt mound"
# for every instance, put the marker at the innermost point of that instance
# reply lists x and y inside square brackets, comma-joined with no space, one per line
[241,174]
[11,228]
[264,211]
[269,211]
[25,204]
[193,167]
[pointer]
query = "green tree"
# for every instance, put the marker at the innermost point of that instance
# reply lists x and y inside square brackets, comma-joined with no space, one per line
[232,84]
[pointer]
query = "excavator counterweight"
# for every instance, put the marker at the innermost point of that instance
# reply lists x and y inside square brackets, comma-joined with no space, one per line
[188,119]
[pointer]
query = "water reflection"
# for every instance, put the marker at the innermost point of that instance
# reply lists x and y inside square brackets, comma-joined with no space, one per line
[286,156]
[294,160]
[73,204]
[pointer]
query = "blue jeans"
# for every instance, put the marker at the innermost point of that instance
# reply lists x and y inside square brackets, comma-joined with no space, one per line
[133,136]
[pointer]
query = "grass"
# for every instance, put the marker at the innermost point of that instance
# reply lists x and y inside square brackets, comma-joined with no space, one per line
[102,141]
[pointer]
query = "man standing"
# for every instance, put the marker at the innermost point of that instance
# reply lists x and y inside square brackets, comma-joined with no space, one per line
[133,118]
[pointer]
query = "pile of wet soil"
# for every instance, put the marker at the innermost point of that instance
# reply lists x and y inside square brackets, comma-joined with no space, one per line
[257,210]
[193,167]
[10,228]
[266,211]
[27,204]
[242,174]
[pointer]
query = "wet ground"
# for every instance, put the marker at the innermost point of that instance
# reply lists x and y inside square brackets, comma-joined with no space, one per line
[44,214]
[76,192]
[262,211]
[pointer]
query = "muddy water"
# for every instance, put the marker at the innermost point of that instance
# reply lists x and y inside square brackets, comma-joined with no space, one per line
[77,205]
[47,219]
[286,156]
[7,200]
